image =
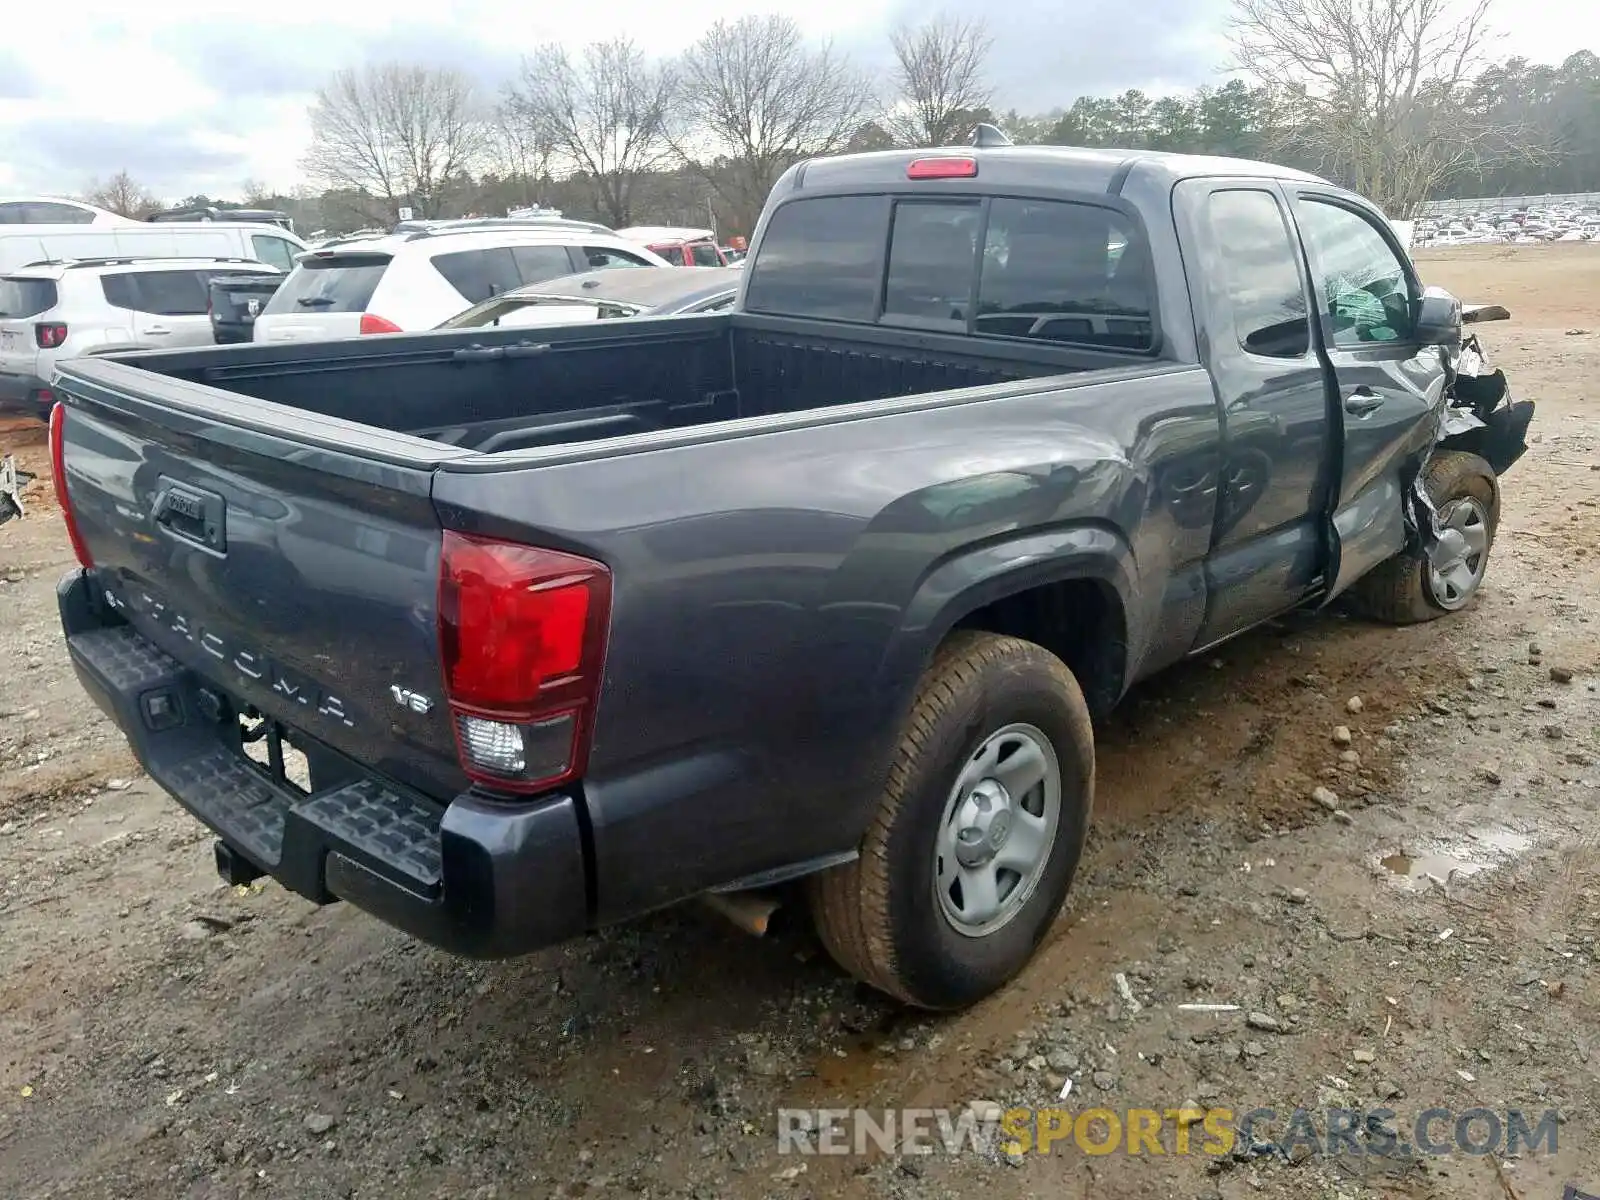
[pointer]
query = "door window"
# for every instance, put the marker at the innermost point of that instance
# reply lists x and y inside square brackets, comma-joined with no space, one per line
[479,274]
[1259,262]
[160,293]
[535,264]
[1364,283]
[603,259]
[273,251]
[44,213]
[705,255]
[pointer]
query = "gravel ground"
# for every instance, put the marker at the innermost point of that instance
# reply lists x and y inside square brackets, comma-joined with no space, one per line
[1419,933]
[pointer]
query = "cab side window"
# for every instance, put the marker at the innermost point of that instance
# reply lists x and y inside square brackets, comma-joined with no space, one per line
[1260,264]
[1365,286]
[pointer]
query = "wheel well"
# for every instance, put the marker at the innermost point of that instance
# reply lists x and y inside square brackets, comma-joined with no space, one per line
[1080,621]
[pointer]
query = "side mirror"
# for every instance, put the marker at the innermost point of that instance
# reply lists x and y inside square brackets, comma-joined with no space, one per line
[1438,318]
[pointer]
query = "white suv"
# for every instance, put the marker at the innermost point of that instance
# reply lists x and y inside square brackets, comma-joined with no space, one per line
[53,311]
[413,281]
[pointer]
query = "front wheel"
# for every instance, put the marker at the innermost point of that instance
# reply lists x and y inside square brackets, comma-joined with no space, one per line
[1413,586]
[978,833]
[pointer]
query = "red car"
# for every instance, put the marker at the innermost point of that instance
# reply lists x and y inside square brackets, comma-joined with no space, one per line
[680,247]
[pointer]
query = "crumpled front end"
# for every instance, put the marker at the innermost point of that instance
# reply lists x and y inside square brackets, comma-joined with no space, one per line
[1480,417]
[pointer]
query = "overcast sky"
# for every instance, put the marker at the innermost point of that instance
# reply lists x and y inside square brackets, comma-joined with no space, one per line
[213,94]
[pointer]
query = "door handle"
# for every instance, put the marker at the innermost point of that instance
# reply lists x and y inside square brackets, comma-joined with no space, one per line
[158,330]
[1362,402]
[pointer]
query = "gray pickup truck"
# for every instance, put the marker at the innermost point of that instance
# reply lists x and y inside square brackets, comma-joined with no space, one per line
[503,635]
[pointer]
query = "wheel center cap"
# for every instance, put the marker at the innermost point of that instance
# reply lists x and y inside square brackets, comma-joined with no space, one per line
[999,830]
[985,823]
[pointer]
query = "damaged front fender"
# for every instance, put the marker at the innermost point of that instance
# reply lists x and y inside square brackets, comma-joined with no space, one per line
[1479,418]
[1499,439]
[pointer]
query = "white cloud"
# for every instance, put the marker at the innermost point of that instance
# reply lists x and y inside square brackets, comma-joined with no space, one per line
[189,102]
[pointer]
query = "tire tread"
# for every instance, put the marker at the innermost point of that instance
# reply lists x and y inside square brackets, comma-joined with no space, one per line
[1393,591]
[850,903]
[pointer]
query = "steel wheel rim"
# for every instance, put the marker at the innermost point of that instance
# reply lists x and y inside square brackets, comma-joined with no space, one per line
[999,823]
[1459,554]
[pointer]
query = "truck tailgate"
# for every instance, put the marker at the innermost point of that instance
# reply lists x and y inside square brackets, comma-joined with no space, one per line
[289,560]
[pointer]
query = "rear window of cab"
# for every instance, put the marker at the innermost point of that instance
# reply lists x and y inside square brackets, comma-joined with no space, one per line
[1045,270]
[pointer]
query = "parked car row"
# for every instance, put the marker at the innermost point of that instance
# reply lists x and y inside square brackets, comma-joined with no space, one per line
[1523,226]
[53,311]
[190,277]
[413,281]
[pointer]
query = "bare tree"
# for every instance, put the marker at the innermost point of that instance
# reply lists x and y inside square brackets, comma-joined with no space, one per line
[401,134]
[755,99]
[520,152]
[604,113]
[1377,89]
[122,195]
[940,77]
[256,194]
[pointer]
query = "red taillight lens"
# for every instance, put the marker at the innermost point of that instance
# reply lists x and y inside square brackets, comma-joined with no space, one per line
[58,469]
[943,168]
[522,635]
[49,335]
[372,323]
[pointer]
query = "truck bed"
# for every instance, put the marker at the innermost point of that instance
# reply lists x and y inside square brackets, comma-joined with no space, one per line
[499,390]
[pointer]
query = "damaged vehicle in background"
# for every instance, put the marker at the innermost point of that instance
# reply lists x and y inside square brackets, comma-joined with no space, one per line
[818,595]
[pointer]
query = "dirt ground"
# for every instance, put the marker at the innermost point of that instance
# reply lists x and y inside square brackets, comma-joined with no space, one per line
[1430,944]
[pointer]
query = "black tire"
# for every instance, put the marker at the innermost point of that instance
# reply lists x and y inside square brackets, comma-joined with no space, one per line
[880,916]
[1399,591]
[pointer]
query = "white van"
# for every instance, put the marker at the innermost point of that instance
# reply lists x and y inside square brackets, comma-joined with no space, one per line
[24,244]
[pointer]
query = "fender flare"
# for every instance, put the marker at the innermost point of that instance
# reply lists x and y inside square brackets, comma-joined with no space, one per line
[978,576]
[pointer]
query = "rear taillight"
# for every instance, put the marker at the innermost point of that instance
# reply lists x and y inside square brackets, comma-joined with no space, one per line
[522,639]
[49,334]
[372,323]
[58,469]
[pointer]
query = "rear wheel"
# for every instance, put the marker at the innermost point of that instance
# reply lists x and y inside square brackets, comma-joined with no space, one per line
[1413,586]
[979,831]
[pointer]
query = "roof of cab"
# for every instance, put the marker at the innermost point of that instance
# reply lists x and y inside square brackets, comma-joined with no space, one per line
[1069,168]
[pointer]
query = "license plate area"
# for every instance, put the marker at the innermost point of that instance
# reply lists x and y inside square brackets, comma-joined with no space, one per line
[265,744]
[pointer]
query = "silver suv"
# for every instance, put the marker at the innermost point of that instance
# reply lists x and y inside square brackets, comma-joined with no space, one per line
[58,310]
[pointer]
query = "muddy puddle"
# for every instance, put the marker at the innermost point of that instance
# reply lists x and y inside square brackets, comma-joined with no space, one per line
[1446,863]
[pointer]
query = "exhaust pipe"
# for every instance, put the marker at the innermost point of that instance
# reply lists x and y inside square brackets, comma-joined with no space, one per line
[750,911]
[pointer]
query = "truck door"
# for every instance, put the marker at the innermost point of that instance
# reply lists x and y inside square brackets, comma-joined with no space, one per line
[1251,297]
[1388,384]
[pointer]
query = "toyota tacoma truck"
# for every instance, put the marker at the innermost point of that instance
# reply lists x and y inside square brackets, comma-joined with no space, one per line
[503,635]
